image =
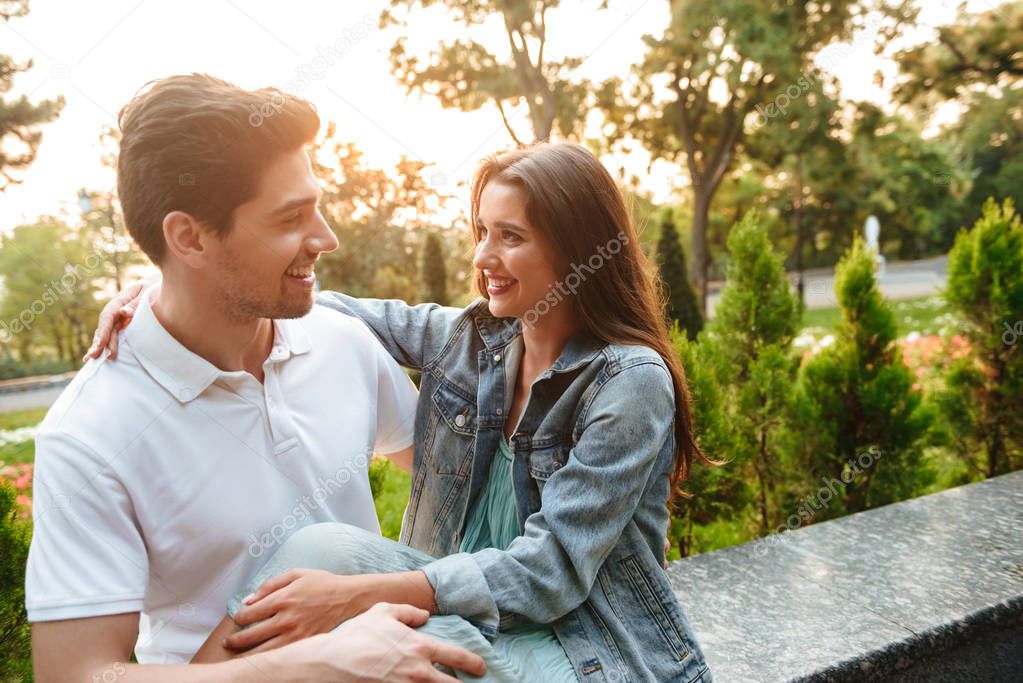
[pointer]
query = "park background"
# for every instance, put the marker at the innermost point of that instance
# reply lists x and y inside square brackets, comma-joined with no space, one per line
[753,139]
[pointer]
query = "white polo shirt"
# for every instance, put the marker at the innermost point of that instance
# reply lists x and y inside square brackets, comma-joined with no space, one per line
[163,483]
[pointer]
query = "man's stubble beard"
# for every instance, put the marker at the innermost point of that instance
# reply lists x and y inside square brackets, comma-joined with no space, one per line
[242,297]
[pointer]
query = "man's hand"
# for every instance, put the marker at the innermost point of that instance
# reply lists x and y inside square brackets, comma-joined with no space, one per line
[377,646]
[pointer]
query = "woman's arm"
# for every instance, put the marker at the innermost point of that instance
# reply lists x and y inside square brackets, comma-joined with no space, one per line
[585,507]
[413,335]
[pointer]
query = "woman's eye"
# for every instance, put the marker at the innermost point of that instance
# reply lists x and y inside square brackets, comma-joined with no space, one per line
[511,237]
[483,233]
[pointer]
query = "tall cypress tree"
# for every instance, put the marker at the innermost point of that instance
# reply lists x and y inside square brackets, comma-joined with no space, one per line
[433,272]
[683,305]
[869,423]
[985,391]
[749,342]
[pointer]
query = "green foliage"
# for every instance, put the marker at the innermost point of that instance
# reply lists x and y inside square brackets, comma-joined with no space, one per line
[50,287]
[683,306]
[989,137]
[694,95]
[977,50]
[747,345]
[433,271]
[379,217]
[975,62]
[985,391]
[391,488]
[15,632]
[467,74]
[860,398]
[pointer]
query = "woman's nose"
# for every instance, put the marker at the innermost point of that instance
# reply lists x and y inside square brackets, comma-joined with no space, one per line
[484,256]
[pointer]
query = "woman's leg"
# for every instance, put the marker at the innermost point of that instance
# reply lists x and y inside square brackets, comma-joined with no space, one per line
[348,550]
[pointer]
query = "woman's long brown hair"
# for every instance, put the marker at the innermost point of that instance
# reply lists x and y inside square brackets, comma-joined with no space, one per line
[574,202]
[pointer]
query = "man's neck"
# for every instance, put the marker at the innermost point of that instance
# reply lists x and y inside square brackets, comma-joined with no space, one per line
[230,343]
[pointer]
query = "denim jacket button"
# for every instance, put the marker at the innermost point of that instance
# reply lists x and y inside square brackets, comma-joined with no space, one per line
[497,358]
[460,420]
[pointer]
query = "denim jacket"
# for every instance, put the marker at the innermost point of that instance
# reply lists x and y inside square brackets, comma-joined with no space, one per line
[592,456]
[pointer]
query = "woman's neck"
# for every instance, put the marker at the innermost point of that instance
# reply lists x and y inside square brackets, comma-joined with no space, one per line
[545,339]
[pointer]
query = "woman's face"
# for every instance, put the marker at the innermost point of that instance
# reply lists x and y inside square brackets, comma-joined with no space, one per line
[518,263]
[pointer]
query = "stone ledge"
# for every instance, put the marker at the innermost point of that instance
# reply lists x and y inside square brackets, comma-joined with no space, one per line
[929,589]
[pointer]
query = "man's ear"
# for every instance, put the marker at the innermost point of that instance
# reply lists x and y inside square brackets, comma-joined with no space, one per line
[187,238]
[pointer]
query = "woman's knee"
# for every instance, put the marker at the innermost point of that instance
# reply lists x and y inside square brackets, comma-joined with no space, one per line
[321,544]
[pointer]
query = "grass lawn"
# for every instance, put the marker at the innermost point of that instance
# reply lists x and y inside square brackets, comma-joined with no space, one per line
[927,315]
[22,418]
[23,452]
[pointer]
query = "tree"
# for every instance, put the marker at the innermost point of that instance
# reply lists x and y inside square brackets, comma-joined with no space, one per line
[717,493]
[50,291]
[682,304]
[869,421]
[433,271]
[19,118]
[749,341]
[989,142]
[104,230]
[379,218]
[720,61]
[976,63]
[466,74]
[979,51]
[984,397]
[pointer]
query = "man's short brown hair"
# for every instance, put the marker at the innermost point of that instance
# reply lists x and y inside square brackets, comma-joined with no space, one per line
[198,144]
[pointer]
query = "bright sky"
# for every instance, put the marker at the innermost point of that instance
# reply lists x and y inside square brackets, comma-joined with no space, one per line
[98,54]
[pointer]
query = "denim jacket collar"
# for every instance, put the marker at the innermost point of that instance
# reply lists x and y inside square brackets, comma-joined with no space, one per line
[499,332]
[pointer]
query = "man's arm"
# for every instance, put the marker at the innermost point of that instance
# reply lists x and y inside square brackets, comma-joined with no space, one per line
[98,648]
[377,646]
[401,459]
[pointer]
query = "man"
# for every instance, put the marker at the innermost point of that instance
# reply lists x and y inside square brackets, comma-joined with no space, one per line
[236,413]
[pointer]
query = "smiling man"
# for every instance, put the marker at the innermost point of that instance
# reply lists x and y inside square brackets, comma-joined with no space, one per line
[236,413]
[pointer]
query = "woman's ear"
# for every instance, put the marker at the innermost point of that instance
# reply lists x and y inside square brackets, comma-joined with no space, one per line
[186,239]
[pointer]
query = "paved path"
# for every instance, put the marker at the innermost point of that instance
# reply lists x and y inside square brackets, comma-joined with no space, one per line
[900,280]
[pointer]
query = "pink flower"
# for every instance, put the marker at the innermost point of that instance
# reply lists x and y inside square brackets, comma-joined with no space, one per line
[24,501]
[23,482]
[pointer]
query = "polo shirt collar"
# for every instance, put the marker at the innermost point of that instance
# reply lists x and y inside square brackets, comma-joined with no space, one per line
[182,372]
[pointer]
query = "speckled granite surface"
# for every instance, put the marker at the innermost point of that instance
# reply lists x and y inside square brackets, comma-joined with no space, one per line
[870,596]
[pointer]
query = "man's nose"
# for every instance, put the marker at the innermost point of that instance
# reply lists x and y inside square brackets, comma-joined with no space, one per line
[324,240]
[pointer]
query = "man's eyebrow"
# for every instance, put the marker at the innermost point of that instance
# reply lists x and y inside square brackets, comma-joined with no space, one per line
[296,204]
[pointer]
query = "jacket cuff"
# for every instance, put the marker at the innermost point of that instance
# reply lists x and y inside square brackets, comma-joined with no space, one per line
[460,588]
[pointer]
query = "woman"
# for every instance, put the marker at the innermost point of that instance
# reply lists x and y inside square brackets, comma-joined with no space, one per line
[552,428]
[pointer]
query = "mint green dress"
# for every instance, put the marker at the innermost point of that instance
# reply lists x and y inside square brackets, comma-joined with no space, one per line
[494,523]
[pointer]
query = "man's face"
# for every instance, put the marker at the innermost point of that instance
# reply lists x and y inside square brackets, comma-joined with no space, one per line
[263,268]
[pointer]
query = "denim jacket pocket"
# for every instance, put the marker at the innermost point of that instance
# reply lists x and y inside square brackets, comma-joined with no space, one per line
[543,462]
[452,434]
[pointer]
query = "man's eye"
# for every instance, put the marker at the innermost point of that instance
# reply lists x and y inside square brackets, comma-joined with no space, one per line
[293,218]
